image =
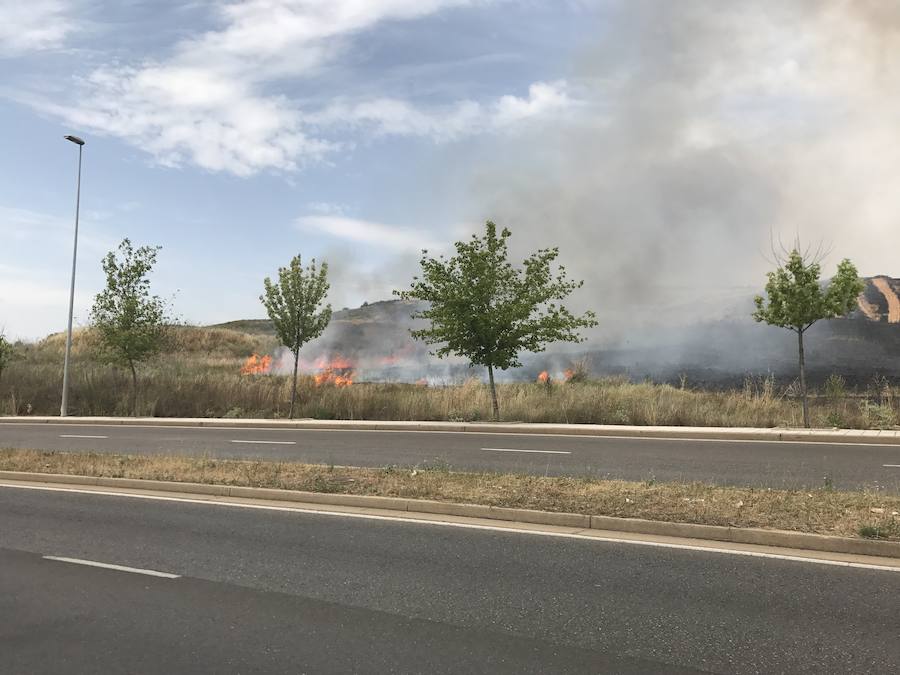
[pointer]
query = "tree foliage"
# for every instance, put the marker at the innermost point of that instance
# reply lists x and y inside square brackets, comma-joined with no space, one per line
[485,309]
[131,324]
[795,299]
[7,352]
[294,304]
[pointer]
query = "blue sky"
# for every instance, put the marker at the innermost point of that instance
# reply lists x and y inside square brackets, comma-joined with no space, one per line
[235,135]
[660,144]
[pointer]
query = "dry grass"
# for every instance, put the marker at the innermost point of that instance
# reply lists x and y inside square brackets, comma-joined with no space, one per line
[820,511]
[200,378]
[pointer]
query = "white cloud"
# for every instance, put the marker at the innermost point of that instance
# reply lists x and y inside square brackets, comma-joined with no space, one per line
[392,237]
[180,115]
[394,117]
[543,98]
[212,102]
[34,25]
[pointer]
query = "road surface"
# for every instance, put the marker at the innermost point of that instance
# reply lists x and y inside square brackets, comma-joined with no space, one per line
[255,590]
[764,463]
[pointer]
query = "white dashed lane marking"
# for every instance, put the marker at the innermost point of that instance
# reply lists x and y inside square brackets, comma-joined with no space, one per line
[267,442]
[541,452]
[110,566]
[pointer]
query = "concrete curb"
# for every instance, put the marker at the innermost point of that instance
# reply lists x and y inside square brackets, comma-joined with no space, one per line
[778,538]
[614,430]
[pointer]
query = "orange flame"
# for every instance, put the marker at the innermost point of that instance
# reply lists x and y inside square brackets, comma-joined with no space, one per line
[257,365]
[568,374]
[544,377]
[334,376]
[337,371]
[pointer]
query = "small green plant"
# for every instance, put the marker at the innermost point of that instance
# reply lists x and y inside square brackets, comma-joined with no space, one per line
[835,387]
[878,415]
[834,419]
[888,528]
[870,532]
[827,483]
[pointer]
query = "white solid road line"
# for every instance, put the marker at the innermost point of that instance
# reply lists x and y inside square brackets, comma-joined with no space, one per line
[542,452]
[267,442]
[466,526]
[80,436]
[892,466]
[109,566]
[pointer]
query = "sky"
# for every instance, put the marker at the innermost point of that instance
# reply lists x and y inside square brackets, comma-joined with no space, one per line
[662,145]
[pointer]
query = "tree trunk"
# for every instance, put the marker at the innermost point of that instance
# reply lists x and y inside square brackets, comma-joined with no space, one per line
[495,407]
[803,380]
[133,388]
[294,385]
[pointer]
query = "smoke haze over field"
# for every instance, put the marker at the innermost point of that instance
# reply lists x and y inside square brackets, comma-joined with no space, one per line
[704,130]
[661,144]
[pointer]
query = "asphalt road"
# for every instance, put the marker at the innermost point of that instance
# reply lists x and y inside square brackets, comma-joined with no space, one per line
[762,463]
[275,591]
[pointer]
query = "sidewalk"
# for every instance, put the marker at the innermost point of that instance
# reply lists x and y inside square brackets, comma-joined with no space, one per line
[853,436]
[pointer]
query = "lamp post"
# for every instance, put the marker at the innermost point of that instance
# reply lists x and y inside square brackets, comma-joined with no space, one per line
[63,408]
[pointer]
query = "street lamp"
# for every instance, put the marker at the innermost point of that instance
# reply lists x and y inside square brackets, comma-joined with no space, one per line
[63,408]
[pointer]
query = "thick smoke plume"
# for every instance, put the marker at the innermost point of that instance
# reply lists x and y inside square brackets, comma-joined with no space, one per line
[706,130]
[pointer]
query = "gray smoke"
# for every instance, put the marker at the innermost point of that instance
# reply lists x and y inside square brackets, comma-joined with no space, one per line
[705,130]
[708,129]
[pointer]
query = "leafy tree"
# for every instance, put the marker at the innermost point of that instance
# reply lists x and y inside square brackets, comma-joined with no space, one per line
[796,300]
[131,324]
[294,306]
[485,309]
[7,351]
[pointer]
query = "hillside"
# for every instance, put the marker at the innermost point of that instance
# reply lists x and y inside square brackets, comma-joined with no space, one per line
[374,340]
[880,301]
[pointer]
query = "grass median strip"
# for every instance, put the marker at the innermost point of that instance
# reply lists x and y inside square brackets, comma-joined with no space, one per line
[871,514]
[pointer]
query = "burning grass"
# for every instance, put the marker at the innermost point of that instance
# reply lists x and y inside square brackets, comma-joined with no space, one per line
[204,379]
[823,511]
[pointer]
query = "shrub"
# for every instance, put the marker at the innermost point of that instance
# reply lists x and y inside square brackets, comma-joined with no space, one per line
[878,415]
[835,386]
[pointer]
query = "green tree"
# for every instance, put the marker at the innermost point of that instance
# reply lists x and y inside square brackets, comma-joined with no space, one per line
[483,308]
[796,300]
[132,325]
[294,305]
[7,352]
